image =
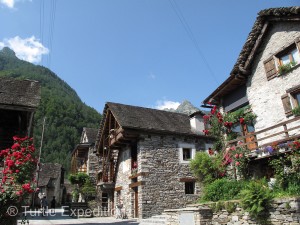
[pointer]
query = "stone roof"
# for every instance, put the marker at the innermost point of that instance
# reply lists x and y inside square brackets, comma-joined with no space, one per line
[147,119]
[91,134]
[22,93]
[263,17]
[48,171]
[244,61]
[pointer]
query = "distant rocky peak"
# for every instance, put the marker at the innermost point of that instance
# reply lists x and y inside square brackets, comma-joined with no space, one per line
[6,51]
[186,107]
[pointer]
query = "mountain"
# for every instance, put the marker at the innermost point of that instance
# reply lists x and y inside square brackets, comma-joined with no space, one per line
[65,113]
[185,107]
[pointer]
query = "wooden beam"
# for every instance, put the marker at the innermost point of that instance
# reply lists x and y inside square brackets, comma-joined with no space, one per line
[136,184]
[138,175]
[118,188]
[187,179]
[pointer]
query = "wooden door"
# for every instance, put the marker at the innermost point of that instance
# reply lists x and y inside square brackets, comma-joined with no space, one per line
[136,202]
[248,130]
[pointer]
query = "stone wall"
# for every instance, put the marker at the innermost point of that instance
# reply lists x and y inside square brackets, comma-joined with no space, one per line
[159,158]
[93,165]
[265,96]
[283,211]
[123,181]
[159,171]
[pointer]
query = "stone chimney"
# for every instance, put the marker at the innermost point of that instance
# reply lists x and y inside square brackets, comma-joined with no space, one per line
[197,122]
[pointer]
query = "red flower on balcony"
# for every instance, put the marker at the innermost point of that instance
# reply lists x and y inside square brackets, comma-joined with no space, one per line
[242,120]
[228,124]
[206,132]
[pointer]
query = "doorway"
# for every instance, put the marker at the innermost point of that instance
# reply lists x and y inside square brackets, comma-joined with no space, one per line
[136,202]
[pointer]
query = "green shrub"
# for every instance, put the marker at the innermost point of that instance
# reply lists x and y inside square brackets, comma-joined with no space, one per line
[223,189]
[79,178]
[213,207]
[206,168]
[230,207]
[220,206]
[256,199]
[287,205]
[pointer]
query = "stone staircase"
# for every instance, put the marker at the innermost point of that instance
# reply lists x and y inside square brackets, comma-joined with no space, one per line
[155,220]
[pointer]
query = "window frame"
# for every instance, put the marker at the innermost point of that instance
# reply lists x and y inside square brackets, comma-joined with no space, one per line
[286,52]
[293,98]
[183,146]
[186,154]
[273,63]
[290,101]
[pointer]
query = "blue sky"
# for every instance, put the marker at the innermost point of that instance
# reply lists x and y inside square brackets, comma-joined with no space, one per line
[150,53]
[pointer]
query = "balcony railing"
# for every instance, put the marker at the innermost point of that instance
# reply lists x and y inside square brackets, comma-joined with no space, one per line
[279,133]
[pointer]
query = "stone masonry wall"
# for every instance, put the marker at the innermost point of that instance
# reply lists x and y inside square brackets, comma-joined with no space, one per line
[93,165]
[265,96]
[122,180]
[283,211]
[159,158]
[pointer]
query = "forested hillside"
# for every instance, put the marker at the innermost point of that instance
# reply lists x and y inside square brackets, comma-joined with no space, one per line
[65,113]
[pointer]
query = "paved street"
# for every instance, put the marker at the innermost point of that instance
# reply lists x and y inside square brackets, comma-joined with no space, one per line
[35,218]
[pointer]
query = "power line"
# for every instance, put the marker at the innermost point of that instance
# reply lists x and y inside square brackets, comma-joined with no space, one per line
[191,36]
[51,29]
[42,12]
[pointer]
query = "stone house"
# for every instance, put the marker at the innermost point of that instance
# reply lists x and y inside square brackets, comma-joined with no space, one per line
[145,157]
[84,158]
[50,182]
[266,76]
[18,101]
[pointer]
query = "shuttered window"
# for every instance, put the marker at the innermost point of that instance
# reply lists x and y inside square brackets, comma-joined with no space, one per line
[283,60]
[270,68]
[286,104]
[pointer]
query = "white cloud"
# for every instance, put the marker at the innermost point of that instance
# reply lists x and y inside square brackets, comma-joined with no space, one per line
[28,49]
[8,3]
[11,3]
[165,104]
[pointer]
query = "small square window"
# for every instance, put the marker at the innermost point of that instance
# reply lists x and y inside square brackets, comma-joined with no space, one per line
[189,188]
[290,55]
[186,154]
[283,61]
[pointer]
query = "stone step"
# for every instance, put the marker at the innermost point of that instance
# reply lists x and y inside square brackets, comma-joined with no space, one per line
[154,220]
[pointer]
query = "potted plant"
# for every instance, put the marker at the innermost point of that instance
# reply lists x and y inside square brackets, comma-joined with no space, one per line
[296,111]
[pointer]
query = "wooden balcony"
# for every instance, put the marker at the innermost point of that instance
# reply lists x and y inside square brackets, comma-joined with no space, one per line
[280,133]
[106,186]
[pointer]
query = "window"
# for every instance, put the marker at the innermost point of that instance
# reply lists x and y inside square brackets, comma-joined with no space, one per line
[104,201]
[289,56]
[291,99]
[283,61]
[297,98]
[189,188]
[186,153]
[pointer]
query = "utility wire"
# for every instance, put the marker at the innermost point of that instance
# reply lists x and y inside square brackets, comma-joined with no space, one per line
[192,37]
[51,29]
[42,12]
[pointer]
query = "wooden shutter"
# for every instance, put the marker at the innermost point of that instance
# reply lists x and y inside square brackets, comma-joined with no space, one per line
[270,68]
[286,104]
